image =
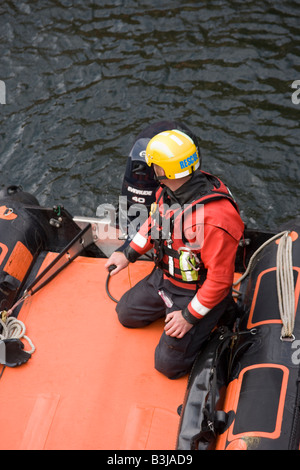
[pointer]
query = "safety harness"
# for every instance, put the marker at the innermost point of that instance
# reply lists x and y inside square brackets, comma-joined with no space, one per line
[176,257]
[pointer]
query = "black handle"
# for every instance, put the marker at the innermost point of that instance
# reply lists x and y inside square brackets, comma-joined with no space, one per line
[111,268]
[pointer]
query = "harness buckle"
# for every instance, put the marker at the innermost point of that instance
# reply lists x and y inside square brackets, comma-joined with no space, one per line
[192,256]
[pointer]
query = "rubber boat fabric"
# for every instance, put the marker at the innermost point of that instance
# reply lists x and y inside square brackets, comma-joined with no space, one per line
[23,228]
[22,238]
[90,384]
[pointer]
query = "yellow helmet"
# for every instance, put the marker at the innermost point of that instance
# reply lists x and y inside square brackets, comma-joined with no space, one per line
[175,152]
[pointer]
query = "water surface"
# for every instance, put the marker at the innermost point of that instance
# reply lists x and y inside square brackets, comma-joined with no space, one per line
[84,77]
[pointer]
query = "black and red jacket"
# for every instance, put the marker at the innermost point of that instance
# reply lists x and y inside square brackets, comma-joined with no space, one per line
[200,217]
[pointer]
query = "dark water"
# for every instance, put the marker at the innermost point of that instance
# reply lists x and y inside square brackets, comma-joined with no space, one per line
[84,77]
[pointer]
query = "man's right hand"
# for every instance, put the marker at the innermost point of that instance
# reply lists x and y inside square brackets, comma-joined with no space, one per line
[119,260]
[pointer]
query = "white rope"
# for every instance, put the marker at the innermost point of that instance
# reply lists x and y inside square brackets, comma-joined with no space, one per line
[13,328]
[284,280]
[285,285]
[249,267]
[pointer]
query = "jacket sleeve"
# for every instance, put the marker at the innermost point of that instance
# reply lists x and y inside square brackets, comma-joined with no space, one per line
[141,242]
[218,254]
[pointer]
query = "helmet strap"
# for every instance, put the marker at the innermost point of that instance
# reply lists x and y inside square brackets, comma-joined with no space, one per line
[160,178]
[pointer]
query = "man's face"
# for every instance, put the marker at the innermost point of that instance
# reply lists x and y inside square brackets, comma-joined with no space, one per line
[158,170]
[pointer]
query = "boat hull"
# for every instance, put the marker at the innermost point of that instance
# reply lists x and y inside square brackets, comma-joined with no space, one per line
[260,408]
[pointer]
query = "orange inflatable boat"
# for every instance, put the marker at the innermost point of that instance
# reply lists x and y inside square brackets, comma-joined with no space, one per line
[71,377]
[76,379]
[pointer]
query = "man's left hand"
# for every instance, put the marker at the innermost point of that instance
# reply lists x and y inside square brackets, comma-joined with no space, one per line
[176,325]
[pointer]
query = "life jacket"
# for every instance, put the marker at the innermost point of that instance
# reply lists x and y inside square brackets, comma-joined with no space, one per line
[178,256]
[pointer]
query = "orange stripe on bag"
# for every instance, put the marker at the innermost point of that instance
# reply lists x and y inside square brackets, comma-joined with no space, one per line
[19,261]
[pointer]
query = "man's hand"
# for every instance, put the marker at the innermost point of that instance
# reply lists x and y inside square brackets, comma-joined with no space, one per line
[176,325]
[119,260]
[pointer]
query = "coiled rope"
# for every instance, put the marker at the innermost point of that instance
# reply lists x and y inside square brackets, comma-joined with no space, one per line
[13,328]
[284,280]
[285,285]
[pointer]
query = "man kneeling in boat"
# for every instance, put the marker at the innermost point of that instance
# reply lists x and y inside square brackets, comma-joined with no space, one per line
[194,228]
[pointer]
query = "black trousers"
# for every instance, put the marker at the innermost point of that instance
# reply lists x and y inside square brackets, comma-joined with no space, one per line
[142,305]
